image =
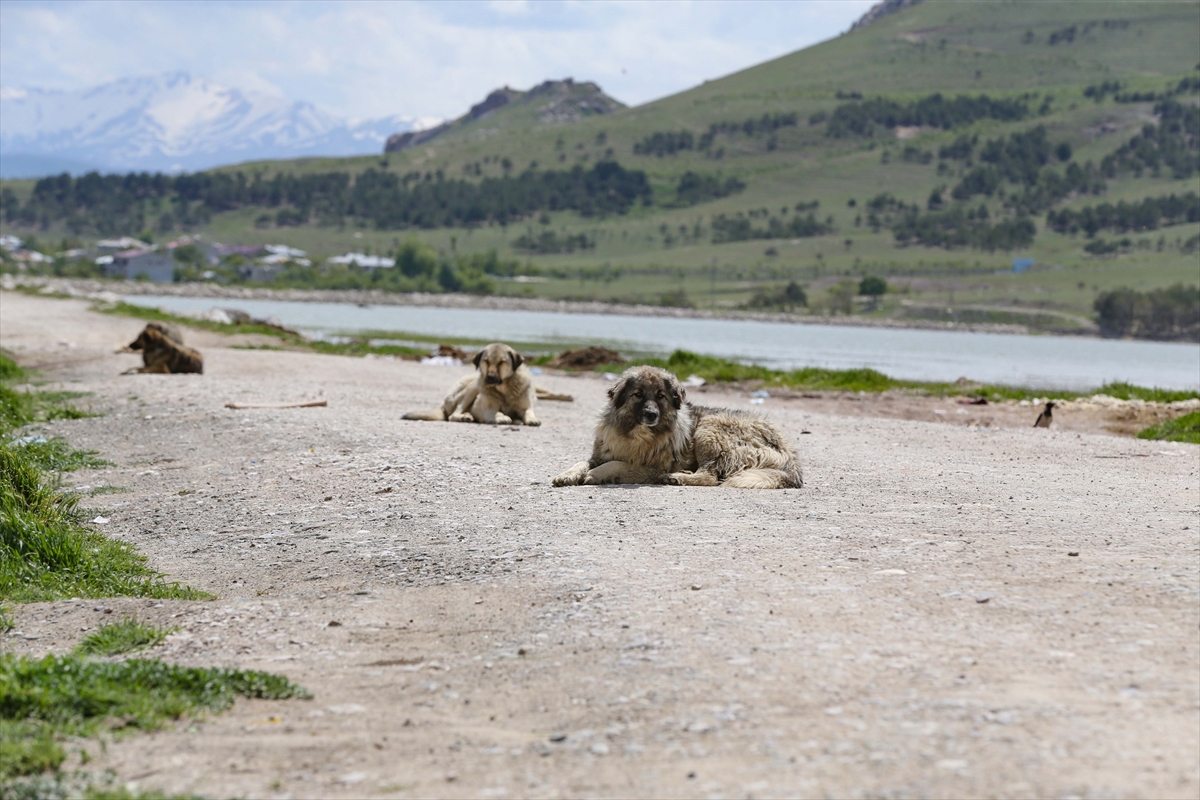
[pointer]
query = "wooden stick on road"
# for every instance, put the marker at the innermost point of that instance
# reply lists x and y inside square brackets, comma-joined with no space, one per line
[306,404]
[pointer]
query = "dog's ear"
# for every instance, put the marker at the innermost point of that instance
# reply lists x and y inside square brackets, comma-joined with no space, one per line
[619,392]
[676,391]
[516,359]
[478,357]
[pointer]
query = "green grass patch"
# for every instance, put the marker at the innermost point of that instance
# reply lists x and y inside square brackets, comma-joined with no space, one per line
[47,549]
[1180,429]
[126,636]
[44,699]
[106,490]
[56,455]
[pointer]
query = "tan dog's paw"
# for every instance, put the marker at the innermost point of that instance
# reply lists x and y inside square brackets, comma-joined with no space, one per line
[672,479]
[462,416]
[503,419]
[532,422]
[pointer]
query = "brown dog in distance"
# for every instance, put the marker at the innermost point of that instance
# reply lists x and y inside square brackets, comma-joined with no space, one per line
[163,353]
[649,434]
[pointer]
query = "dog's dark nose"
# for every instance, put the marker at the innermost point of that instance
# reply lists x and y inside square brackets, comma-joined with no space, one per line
[650,416]
[492,380]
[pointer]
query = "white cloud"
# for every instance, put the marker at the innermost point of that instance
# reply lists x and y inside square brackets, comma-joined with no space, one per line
[365,59]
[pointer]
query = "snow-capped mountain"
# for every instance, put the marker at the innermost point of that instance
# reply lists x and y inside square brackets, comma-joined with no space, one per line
[172,122]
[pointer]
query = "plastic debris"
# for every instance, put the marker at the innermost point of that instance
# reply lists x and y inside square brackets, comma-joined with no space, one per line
[21,441]
[760,393]
[441,361]
[694,380]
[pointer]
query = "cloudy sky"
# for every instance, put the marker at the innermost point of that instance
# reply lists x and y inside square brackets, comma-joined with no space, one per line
[372,59]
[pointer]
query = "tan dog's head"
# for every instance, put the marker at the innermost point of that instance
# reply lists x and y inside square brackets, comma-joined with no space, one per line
[497,363]
[646,396]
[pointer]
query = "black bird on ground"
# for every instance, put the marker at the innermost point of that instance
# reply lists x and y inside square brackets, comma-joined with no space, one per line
[1046,417]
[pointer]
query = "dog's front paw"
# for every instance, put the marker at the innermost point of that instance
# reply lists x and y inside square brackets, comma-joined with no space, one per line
[572,477]
[462,416]
[532,422]
[569,478]
[670,479]
[503,419]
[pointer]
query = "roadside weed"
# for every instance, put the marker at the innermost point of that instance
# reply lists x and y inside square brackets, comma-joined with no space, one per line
[1180,429]
[126,636]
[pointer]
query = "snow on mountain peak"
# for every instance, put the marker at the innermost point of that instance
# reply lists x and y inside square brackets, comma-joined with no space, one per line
[172,121]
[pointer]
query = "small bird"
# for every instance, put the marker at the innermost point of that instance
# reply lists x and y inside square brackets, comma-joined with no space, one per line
[1046,417]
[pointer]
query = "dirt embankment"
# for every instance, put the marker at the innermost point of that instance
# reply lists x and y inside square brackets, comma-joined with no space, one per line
[944,610]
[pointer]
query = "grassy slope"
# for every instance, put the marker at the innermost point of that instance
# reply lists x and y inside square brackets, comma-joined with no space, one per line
[936,46]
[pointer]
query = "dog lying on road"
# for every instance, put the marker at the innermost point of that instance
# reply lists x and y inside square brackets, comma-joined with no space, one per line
[648,434]
[501,392]
[163,352]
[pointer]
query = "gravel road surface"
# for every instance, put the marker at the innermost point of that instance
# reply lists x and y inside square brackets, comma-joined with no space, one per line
[943,611]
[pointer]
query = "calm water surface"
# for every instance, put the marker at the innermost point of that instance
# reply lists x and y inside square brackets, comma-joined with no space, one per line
[1039,361]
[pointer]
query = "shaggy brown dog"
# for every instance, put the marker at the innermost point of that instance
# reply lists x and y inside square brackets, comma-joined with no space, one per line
[501,392]
[648,434]
[163,354]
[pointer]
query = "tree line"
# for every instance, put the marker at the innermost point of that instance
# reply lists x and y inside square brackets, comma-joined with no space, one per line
[109,204]
[868,117]
[1122,217]
[1099,91]
[960,227]
[739,228]
[1173,144]
[668,143]
[1169,313]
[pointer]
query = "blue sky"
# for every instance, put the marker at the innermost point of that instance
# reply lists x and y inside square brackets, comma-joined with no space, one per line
[374,58]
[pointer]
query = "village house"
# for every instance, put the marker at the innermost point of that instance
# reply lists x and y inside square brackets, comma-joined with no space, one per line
[132,264]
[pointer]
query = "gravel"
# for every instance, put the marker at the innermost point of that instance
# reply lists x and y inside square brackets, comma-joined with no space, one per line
[474,632]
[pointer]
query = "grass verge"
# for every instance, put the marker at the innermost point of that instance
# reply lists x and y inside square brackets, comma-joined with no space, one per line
[1180,429]
[44,699]
[126,636]
[47,550]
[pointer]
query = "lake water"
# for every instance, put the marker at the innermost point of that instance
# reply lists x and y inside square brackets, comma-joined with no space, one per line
[1035,361]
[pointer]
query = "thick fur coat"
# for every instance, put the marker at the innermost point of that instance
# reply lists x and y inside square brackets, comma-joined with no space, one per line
[501,392]
[648,433]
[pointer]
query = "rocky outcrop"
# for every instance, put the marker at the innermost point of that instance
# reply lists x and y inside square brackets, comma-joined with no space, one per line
[882,9]
[402,141]
[557,102]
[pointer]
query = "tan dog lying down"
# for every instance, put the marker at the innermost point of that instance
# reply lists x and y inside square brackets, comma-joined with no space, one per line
[501,392]
[648,434]
[163,352]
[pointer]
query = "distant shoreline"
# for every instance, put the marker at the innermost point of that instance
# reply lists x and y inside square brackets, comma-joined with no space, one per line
[79,287]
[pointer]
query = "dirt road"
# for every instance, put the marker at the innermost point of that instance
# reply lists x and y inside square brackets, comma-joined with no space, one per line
[942,611]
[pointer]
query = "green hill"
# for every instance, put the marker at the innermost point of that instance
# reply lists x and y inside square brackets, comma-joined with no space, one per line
[927,147]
